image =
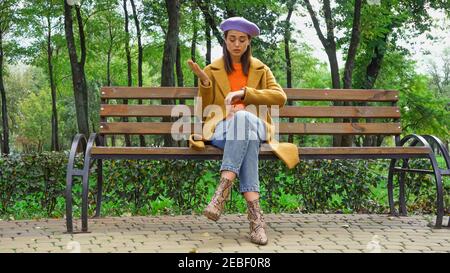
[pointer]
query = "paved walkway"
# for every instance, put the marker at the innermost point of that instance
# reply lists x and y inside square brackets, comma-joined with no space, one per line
[193,233]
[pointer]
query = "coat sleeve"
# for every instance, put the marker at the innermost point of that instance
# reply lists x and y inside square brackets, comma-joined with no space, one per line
[205,93]
[273,94]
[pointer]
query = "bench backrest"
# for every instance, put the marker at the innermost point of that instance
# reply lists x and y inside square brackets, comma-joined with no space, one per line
[377,114]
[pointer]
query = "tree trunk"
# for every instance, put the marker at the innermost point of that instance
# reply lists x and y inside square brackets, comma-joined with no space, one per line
[354,43]
[334,65]
[350,62]
[372,71]
[108,70]
[329,45]
[5,136]
[108,63]
[180,80]
[1,139]
[287,54]
[127,45]
[55,142]
[209,18]
[208,42]
[140,49]
[194,44]
[127,51]
[169,57]
[138,32]
[78,76]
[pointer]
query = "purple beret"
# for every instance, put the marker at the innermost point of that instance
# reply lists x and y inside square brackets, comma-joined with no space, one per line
[240,24]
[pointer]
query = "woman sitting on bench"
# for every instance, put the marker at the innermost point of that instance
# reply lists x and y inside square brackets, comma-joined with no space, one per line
[233,82]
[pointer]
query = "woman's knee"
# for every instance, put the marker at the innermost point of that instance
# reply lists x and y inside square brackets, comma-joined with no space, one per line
[244,119]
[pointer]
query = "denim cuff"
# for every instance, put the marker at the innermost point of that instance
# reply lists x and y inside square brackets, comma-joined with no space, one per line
[249,189]
[230,168]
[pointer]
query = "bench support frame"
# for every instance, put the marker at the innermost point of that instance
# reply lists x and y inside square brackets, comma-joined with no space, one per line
[94,139]
[427,141]
[79,141]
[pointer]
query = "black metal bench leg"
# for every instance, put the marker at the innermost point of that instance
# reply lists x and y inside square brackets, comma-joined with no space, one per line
[439,192]
[84,200]
[69,221]
[402,192]
[390,186]
[93,139]
[99,187]
[79,142]
[444,152]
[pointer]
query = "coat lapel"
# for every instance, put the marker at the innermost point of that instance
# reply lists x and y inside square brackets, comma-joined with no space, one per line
[254,75]
[222,81]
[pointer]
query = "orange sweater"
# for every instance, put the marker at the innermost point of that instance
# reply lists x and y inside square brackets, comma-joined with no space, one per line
[237,81]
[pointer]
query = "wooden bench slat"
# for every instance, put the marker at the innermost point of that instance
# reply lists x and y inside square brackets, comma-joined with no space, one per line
[371,95]
[144,128]
[124,110]
[363,95]
[125,92]
[210,150]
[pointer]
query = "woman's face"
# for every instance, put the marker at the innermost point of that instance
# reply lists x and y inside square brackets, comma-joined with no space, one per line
[237,43]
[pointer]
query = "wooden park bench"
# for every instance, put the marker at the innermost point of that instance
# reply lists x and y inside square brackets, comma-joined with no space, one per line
[385,121]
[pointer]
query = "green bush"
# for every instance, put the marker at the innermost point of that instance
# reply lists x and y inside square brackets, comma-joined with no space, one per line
[33,186]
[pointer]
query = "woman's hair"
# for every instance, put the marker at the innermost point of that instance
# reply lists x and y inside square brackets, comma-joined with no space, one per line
[245,58]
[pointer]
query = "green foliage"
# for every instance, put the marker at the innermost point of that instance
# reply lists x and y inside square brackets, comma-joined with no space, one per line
[424,112]
[33,185]
[32,130]
[27,24]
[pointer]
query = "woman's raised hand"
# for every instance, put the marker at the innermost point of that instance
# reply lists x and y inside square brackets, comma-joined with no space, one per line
[199,72]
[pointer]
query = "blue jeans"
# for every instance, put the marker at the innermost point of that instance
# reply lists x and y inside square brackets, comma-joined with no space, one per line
[240,139]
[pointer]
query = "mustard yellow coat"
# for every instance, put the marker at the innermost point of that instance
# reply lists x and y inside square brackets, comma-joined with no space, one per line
[261,89]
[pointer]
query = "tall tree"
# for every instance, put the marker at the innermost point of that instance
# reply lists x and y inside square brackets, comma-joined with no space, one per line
[140,56]
[290,4]
[170,51]
[328,42]
[441,75]
[43,18]
[128,55]
[5,26]
[205,7]
[112,22]
[139,40]
[170,44]
[354,43]
[55,141]
[77,66]
[194,18]
[208,42]
[111,41]
[383,26]
[179,68]
[127,44]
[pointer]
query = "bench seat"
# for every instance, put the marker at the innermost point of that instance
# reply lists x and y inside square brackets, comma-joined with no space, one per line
[212,152]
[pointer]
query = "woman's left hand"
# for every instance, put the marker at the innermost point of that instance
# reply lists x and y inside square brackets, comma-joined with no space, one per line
[235,95]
